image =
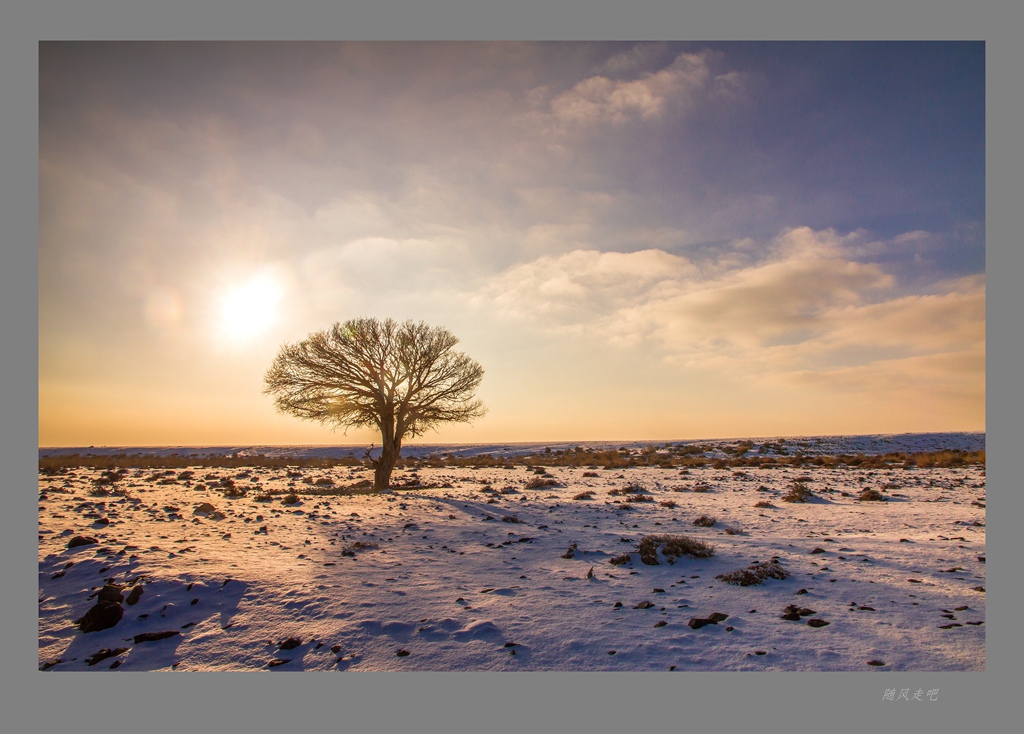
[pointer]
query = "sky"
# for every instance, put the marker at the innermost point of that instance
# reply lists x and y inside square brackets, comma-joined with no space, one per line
[644,241]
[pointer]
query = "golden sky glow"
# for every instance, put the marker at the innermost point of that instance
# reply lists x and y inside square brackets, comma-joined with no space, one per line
[636,241]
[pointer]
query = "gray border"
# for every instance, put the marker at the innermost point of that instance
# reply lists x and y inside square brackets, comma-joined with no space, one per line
[593,702]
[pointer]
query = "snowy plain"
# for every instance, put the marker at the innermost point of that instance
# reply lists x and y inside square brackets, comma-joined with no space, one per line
[472,569]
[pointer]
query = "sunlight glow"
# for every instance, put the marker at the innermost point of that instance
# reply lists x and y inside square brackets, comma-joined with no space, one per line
[249,308]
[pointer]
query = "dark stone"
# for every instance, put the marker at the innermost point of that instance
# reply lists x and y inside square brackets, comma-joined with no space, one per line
[791,617]
[805,612]
[154,636]
[644,605]
[875,662]
[50,663]
[104,654]
[816,623]
[660,623]
[617,605]
[696,623]
[802,591]
[101,521]
[133,595]
[111,593]
[291,643]
[402,653]
[760,652]
[81,540]
[716,617]
[277,661]
[102,616]
[817,550]
[335,649]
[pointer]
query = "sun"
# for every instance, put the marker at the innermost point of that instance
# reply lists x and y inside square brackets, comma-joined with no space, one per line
[247,309]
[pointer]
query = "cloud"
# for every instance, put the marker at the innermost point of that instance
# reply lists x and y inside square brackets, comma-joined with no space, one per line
[805,308]
[603,99]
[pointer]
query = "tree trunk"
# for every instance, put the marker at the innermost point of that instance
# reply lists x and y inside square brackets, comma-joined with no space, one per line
[384,465]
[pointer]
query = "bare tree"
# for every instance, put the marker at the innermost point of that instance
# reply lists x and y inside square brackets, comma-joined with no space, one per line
[402,378]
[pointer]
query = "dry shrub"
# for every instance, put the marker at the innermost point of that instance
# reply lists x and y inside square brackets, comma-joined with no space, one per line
[540,482]
[670,504]
[754,574]
[798,492]
[629,489]
[583,495]
[672,547]
[704,521]
[590,474]
[700,487]
[871,495]
[620,560]
[639,498]
[763,503]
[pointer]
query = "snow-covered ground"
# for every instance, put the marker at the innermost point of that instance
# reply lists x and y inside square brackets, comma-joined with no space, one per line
[472,570]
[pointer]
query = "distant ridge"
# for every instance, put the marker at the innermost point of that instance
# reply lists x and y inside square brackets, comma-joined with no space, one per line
[870,444]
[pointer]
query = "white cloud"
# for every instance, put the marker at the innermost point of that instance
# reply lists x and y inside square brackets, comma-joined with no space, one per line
[599,98]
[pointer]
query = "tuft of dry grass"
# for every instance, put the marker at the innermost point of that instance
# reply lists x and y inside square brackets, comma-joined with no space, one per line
[871,495]
[798,492]
[583,495]
[540,482]
[704,521]
[754,574]
[672,547]
[669,504]
[629,489]
[763,503]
